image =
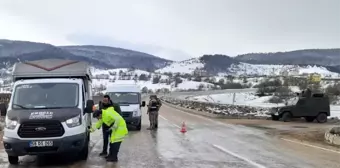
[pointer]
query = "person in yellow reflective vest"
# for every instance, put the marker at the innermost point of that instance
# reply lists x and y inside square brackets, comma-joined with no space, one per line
[118,127]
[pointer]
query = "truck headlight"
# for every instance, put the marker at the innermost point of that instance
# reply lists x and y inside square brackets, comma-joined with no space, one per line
[73,122]
[10,124]
[135,113]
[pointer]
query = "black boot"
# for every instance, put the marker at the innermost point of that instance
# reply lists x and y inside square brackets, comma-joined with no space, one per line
[111,158]
[103,154]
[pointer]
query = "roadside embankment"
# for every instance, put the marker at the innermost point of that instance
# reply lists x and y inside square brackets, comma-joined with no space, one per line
[217,110]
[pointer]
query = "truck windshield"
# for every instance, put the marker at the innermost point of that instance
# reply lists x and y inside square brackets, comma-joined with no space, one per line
[45,95]
[124,97]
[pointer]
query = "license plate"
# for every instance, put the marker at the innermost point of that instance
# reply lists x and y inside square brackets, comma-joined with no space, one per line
[40,143]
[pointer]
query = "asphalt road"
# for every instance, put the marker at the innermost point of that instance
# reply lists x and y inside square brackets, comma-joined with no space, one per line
[207,144]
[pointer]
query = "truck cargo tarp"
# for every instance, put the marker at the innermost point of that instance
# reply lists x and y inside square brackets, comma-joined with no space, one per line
[51,68]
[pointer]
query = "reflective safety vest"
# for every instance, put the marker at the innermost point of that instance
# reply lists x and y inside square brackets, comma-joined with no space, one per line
[111,118]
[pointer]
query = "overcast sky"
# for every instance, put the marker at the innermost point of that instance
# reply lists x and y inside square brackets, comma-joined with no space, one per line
[176,29]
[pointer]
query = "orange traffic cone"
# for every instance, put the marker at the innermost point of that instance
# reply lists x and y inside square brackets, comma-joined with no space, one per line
[184,128]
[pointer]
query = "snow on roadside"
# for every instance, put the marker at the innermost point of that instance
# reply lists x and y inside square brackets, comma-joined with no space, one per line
[185,85]
[249,99]
[245,99]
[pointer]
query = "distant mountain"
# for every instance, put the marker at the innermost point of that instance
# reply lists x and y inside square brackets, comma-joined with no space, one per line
[113,57]
[14,48]
[98,56]
[324,57]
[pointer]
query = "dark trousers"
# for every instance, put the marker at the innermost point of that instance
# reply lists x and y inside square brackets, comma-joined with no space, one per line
[106,137]
[114,149]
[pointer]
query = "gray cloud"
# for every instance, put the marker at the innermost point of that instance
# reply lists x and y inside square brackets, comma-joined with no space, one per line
[195,26]
[159,51]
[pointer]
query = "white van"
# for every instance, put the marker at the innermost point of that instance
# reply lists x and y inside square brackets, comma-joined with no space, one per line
[49,110]
[128,96]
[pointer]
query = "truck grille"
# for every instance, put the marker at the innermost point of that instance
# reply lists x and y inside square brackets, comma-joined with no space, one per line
[41,129]
[126,114]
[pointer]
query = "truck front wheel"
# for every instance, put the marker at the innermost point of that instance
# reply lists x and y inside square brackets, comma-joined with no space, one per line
[139,126]
[85,151]
[13,160]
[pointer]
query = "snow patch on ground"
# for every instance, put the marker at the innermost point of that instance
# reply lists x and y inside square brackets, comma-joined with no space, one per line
[187,66]
[249,99]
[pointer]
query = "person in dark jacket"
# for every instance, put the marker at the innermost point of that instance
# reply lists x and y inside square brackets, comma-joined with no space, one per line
[105,128]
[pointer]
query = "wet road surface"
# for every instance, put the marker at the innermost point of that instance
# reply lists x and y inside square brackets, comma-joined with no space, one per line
[207,144]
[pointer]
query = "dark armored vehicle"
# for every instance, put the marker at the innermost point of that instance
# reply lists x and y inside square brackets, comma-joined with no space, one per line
[310,106]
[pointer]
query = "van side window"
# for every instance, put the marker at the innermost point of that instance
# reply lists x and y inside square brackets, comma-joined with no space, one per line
[83,96]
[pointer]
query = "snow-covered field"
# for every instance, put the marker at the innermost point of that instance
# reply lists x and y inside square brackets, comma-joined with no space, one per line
[189,66]
[111,76]
[248,99]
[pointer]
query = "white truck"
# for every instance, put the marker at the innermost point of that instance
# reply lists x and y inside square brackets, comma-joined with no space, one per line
[49,110]
[129,98]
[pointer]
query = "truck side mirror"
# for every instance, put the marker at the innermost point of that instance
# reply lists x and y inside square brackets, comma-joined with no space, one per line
[3,109]
[143,103]
[100,105]
[89,106]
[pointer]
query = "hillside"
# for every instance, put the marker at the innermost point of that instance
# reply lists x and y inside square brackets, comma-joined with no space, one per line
[224,66]
[254,64]
[98,56]
[324,57]
[13,48]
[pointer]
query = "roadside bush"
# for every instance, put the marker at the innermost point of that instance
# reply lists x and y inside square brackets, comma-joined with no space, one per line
[144,90]
[156,79]
[282,94]
[275,99]
[333,92]
[200,87]
[333,89]
[268,86]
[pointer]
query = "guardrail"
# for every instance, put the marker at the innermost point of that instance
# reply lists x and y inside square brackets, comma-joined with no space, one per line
[220,110]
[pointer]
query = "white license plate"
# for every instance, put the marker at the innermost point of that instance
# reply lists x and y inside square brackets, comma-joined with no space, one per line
[40,143]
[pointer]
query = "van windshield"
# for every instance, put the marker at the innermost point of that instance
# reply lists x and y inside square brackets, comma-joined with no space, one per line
[45,95]
[124,97]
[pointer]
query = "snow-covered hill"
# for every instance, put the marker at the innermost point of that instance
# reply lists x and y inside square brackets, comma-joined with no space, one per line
[245,69]
[152,81]
[187,66]
[245,75]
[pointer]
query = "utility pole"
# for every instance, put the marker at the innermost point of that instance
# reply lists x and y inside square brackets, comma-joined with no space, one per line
[234,96]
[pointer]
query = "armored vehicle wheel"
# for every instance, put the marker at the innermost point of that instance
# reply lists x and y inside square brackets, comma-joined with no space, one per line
[286,117]
[309,119]
[321,118]
[13,160]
